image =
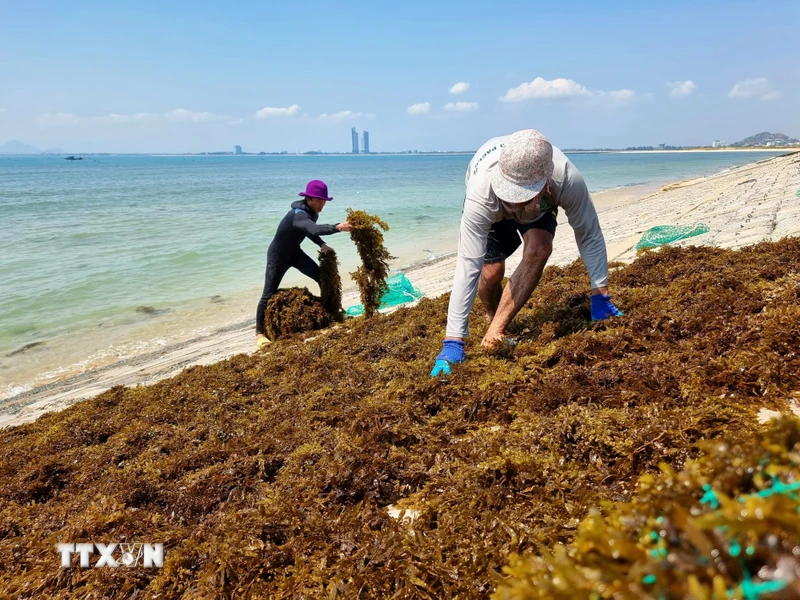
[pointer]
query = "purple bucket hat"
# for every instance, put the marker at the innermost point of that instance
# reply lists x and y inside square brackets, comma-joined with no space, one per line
[316,189]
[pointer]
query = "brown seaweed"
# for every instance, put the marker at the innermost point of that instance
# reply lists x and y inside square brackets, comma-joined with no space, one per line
[330,285]
[294,310]
[502,348]
[271,475]
[371,275]
[680,536]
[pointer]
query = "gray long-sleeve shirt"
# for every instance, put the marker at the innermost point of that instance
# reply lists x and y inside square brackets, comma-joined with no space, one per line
[482,209]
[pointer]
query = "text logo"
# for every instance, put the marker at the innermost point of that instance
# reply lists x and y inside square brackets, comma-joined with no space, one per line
[113,555]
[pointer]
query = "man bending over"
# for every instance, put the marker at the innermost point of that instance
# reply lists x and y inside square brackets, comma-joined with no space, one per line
[515,185]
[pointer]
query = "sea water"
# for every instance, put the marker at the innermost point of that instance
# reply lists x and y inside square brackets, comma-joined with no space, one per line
[113,255]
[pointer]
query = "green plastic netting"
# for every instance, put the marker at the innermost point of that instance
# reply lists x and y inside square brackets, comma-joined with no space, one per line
[666,234]
[400,291]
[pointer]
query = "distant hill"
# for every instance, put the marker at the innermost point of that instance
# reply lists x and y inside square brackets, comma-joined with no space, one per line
[766,138]
[17,147]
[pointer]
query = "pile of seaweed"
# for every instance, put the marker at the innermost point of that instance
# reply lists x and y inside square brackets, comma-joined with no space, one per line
[330,285]
[371,275]
[294,310]
[336,467]
[724,527]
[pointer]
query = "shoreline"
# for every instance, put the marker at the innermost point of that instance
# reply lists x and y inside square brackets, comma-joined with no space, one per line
[625,212]
[786,149]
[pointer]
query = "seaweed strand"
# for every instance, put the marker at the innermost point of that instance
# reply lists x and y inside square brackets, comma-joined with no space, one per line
[372,274]
[330,285]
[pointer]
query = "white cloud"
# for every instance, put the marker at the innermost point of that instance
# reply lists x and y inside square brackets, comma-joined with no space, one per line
[542,88]
[562,89]
[235,121]
[620,95]
[181,114]
[459,88]
[680,89]
[2,110]
[419,109]
[119,118]
[268,112]
[754,88]
[116,118]
[461,106]
[345,114]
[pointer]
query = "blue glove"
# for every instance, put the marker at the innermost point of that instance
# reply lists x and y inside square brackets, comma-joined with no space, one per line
[452,352]
[602,308]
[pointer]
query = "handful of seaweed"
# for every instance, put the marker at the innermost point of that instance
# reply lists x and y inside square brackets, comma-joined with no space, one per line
[271,475]
[371,275]
[294,310]
[502,348]
[330,285]
[726,526]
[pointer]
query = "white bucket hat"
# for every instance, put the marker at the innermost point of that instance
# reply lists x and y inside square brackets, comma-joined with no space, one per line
[525,164]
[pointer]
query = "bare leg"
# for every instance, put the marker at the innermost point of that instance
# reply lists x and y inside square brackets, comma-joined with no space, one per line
[538,247]
[490,287]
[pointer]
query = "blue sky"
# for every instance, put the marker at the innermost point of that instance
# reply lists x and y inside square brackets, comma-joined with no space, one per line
[175,76]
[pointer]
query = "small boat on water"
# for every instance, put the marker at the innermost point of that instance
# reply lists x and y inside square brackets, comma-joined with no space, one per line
[73,158]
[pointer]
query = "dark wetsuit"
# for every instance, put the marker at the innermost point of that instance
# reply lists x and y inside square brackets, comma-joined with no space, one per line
[284,251]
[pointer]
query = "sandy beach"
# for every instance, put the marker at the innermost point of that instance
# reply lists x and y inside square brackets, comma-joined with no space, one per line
[742,206]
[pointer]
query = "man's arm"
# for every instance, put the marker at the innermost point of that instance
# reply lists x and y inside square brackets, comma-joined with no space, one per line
[476,221]
[582,217]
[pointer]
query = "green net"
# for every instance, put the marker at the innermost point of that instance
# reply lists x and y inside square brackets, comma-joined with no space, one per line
[666,234]
[399,291]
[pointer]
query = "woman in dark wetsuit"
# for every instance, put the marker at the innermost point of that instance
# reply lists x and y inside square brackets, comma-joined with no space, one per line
[284,251]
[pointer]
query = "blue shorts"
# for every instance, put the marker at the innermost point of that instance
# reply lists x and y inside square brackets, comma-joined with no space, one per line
[506,236]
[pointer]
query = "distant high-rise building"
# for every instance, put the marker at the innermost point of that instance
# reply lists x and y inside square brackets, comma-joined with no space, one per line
[717,144]
[354,135]
[237,149]
[365,142]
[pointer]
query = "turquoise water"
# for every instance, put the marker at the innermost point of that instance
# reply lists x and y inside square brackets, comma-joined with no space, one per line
[85,244]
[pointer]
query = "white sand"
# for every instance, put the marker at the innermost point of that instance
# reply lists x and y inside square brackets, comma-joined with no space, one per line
[742,206]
